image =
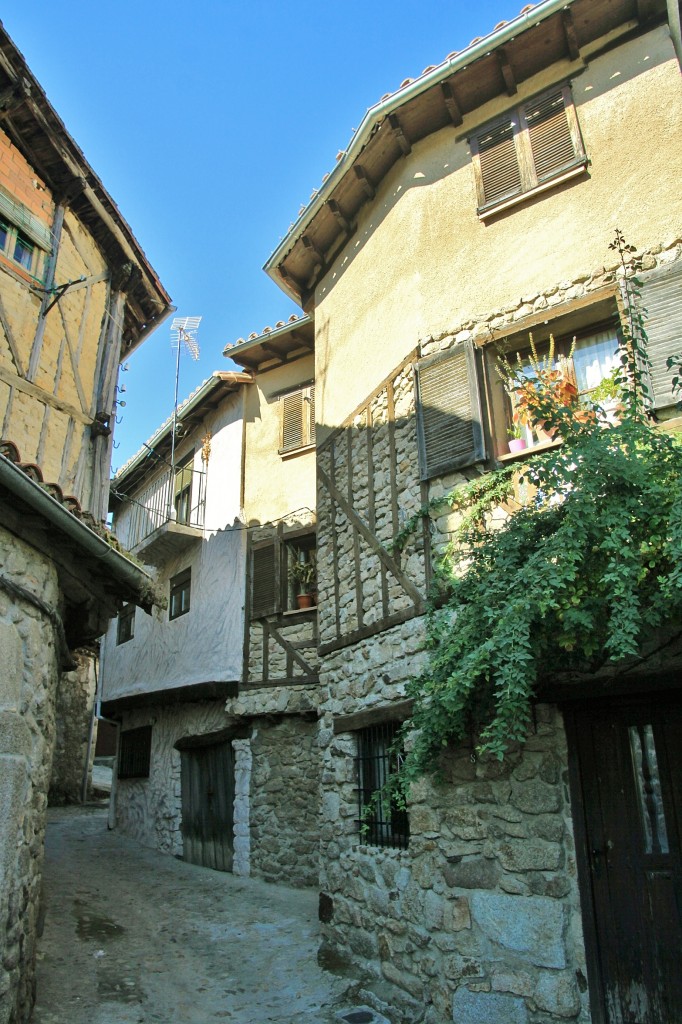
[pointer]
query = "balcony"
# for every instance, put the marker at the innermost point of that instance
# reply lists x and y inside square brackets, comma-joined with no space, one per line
[167,517]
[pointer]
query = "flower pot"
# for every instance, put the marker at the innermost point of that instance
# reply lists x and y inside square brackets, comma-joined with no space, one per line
[304,600]
[517,444]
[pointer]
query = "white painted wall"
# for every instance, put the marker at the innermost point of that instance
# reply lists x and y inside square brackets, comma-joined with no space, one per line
[206,644]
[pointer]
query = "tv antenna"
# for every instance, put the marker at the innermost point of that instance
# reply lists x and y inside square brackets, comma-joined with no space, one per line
[184,331]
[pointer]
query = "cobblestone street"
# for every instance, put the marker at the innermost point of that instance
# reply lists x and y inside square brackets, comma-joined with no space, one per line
[133,936]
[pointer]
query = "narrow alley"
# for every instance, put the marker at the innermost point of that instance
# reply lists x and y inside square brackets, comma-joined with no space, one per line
[134,936]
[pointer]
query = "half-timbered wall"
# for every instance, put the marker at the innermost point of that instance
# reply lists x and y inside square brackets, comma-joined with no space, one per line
[59,351]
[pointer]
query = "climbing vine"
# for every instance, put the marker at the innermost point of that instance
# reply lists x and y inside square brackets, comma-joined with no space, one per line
[578,575]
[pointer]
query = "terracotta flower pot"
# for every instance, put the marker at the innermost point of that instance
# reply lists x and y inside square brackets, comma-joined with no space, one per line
[304,600]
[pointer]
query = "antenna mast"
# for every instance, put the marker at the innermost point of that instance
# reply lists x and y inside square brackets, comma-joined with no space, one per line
[183,332]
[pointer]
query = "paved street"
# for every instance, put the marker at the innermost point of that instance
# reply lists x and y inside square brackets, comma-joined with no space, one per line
[133,936]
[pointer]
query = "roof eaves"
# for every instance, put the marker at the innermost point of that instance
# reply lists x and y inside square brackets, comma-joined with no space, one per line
[277,332]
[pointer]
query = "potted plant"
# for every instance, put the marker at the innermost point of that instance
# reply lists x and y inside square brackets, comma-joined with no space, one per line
[541,390]
[303,574]
[517,442]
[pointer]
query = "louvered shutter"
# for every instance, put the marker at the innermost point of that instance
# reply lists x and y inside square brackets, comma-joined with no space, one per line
[292,421]
[264,581]
[662,300]
[499,164]
[449,412]
[311,410]
[549,134]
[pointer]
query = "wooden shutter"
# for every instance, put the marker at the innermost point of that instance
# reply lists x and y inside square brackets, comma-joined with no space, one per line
[264,581]
[449,412]
[662,300]
[549,134]
[292,421]
[311,409]
[498,165]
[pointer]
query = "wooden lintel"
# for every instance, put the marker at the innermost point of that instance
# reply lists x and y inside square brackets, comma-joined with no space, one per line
[399,711]
[367,185]
[507,71]
[570,34]
[312,249]
[335,211]
[399,134]
[451,104]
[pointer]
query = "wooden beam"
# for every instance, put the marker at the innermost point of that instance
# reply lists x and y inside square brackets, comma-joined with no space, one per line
[308,343]
[367,186]
[335,211]
[646,9]
[399,134]
[267,346]
[507,71]
[400,711]
[570,34]
[451,104]
[312,250]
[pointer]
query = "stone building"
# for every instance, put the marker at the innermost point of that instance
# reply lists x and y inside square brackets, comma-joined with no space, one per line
[218,758]
[76,292]
[474,205]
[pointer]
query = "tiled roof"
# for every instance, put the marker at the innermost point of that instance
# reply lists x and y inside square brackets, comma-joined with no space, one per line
[293,319]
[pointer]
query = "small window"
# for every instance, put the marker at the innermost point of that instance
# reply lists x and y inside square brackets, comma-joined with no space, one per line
[385,824]
[283,575]
[4,234]
[526,149]
[298,419]
[183,491]
[135,753]
[23,252]
[126,624]
[180,587]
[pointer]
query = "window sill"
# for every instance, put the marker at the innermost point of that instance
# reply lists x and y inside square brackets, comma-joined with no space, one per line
[525,453]
[491,211]
[296,451]
[291,612]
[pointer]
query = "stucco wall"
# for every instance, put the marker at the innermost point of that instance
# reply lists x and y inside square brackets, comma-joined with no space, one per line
[275,486]
[421,260]
[28,683]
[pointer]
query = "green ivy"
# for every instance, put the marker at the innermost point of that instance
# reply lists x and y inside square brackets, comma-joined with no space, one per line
[576,578]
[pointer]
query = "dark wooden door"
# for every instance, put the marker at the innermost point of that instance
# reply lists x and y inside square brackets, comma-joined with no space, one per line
[207,805]
[627,788]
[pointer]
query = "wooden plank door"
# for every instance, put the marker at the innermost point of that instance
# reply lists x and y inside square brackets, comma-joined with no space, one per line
[627,789]
[207,805]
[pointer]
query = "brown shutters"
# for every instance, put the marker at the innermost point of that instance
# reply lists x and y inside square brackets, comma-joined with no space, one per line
[298,419]
[549,134]
[662,300]
[500,172]
[527,147]
[449,412]
[264,580]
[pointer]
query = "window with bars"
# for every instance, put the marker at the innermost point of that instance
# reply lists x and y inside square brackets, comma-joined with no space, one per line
[180,591]
[126,624]
[135,752]
[381,821]
[527,149]
[298,419]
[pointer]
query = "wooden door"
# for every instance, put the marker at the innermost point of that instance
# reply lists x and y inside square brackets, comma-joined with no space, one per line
[207,805]
[627,790]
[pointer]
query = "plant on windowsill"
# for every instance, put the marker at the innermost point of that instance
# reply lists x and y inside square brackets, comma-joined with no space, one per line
[517,442]
[303,573]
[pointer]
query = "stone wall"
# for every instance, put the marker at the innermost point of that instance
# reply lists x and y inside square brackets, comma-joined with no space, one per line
[72,756]
[276,813]
[28,683]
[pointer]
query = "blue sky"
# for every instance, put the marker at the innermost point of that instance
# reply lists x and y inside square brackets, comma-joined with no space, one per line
[210,124]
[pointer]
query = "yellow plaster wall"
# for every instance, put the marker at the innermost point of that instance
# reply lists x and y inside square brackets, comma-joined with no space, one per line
[274,485]
[421,262]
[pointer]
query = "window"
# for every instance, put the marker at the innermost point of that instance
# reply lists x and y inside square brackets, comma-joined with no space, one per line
[449,419]
[126,624]
[183,491]
[281,569]
[17,247]
[298,419]
[385,823]
[23,252]
[134,757]
[180,587]
[527,149]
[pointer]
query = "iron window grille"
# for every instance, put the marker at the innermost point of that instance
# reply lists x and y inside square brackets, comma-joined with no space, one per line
[135,753]
[381,822]
[126,624]
[180,590]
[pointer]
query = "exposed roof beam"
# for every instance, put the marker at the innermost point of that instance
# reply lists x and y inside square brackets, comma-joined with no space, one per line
[399,134]
[335,211]
[308,343]
[274,352]
[646,9]
[507,71]
[570,34]
[367,185]
[312,250]
[452,106]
